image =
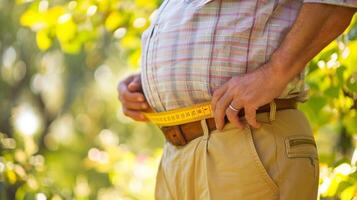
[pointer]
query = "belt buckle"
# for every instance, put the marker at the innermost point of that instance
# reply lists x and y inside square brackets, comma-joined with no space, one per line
[174,135]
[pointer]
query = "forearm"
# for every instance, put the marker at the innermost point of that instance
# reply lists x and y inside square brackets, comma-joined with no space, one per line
[315,27]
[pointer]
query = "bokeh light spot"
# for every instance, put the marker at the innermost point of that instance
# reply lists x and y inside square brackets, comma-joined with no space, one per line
[41,196]
[26,120]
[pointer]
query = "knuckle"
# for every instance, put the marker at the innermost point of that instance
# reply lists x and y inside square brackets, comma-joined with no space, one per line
[229,113]
[219,106]
[244,102]
[249,116]
[250,106]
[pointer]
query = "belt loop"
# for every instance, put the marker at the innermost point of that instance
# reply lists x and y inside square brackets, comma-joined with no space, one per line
[206,132]
[205,129]
[272,111]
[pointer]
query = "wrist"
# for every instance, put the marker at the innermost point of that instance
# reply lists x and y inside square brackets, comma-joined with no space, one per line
[285,68]
[276,75]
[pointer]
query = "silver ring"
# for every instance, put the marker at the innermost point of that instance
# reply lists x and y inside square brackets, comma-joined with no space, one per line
[233,108]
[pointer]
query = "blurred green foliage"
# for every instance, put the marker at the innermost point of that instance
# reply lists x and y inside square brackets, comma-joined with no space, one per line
[332,111]
[62,132]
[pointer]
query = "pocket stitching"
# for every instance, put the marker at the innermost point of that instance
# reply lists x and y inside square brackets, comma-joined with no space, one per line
[309,155]
[291,154]
[268,180]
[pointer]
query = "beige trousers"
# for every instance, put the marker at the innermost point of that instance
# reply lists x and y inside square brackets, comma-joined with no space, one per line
[277,161]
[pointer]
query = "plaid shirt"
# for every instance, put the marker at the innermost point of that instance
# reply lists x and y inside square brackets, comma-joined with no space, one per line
[194,46]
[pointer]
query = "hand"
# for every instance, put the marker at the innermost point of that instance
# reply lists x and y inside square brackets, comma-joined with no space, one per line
[132,98]
[248,92]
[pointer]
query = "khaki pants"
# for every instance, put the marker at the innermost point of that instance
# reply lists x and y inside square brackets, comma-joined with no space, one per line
[277,161]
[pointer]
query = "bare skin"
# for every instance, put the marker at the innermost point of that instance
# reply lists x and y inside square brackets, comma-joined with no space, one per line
[315,27]
[131,95]
[309,34]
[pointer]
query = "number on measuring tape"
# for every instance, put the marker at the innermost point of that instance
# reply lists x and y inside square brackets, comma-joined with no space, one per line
[182,115]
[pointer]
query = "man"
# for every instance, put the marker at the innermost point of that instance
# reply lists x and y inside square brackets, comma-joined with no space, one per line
[242,56]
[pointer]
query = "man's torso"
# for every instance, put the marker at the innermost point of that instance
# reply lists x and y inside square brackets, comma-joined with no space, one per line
[195,46]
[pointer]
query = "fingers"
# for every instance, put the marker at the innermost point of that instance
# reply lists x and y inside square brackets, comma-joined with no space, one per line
[130,89]
[135,85]
[126,95]
[138,106]
[217,95]
[132,98]
[220,110]
[129,79]
[136,115]
[233,116]
[251,116]
[135,97]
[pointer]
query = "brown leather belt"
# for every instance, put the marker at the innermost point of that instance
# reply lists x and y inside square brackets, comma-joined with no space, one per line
[180,135]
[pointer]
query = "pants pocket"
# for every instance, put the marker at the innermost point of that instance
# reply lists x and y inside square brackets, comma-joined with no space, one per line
[234,170]
[259,164]
[303,147]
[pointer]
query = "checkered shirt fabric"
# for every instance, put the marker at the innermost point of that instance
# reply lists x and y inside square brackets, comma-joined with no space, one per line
[194,46]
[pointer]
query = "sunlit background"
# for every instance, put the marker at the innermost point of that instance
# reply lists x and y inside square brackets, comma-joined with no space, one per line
[62,132]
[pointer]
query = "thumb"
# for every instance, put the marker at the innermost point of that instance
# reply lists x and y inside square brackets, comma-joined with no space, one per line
[135,85]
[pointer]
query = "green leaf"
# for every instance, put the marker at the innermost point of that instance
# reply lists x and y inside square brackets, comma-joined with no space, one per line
[350,121]
[339,73]
[332,91]
[317,103]
[352,83]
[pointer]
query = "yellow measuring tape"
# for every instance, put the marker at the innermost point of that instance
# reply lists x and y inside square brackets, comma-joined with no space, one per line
[181,115]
